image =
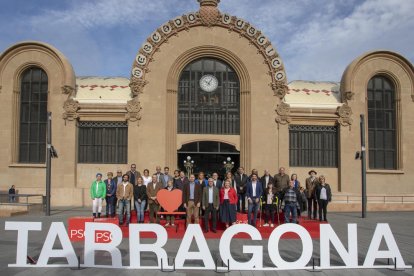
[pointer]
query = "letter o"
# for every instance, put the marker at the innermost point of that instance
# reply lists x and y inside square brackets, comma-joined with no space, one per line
[307,246]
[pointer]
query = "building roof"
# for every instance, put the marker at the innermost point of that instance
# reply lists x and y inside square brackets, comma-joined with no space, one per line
[102,90]
[313,94]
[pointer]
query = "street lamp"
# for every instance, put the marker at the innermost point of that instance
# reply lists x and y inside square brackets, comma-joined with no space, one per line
[189,164]
[228,165]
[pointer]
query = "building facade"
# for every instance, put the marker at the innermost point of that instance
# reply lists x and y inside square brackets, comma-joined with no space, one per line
[207,85]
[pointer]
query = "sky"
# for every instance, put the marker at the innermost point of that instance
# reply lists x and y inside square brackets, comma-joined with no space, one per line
[316,39]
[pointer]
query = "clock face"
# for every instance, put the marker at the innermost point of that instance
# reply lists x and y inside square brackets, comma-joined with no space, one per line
[208,83]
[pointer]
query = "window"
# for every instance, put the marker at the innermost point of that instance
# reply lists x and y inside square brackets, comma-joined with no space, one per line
[381,124]
[213,109]
[313,146]
[33,116]
[103,142]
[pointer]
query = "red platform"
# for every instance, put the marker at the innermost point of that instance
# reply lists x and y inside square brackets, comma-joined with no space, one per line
[76,227]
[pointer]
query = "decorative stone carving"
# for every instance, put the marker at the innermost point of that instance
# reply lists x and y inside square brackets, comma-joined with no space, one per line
[71,107]
[68,90]
[348,96]
[137,86]
[209,13]
[133,108]
[344,113]
[279,90]
[283,112]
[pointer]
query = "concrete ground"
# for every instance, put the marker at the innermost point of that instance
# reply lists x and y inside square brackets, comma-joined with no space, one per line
[401,223]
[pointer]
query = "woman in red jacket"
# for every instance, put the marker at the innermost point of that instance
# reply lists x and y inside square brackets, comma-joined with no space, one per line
[228,201]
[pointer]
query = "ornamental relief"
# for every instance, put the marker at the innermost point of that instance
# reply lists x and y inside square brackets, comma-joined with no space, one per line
[344,112]
[70,106]
[283,112]
[133,108]
[209,15]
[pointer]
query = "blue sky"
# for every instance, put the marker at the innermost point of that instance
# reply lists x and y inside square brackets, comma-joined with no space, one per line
[316,39]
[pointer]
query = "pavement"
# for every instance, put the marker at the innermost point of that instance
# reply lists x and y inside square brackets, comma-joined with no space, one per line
[401,223]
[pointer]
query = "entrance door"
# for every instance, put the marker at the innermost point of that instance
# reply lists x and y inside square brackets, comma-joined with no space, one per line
[208,156]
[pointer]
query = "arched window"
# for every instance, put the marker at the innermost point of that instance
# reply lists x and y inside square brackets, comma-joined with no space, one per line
[33,116]
[382,124]
[209,98]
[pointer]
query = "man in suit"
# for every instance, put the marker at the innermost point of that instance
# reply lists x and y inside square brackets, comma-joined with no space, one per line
[266,179]
[192,193]
[166,177]
[241,180]
[110,195]
[210,205]
[158,173]
[281,180]
[217,182]
[133,174]
[311,184]
[180,182]
[152,189]
[253,193]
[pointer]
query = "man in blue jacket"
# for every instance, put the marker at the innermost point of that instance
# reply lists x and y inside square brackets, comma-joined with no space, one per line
[253,193]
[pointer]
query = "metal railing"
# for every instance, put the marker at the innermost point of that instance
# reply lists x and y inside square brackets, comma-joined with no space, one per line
[22,198]
[375,198]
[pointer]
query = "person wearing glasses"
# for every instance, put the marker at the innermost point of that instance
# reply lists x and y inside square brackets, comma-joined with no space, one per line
[133,174]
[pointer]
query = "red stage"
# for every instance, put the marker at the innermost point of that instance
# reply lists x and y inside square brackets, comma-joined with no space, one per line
[76,227]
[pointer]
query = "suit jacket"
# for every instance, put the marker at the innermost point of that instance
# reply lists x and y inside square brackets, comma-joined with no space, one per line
[111,188]
[328,191]
[281,182]
[259,190]
[179,183]
[263,181]
[219,184]
[240,183]
[136,174]
[159,177]
[197,193]
[129,191]
[162,180]
[151,191]
[311,186]
[215,197]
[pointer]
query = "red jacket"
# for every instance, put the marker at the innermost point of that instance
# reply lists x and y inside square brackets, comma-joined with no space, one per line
[232,196]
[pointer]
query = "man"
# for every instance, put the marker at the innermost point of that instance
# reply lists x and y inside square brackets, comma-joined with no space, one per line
[210,205]
[166,177]
[291,196]
[12,194]
[281,180]
[118,178]
[266,179]
[192,193]
[133,174]
[311,184]
[98,194]
[110,195]
[217,182]
[253,193]
[124,193]
[241,180]
[202,180]
[158,173]
[152,190]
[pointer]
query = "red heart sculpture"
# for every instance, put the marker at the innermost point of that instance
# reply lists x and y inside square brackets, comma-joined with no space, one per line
[170,200]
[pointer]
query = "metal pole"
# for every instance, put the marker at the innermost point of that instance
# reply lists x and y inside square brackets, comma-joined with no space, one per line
[48,161]
[363,168]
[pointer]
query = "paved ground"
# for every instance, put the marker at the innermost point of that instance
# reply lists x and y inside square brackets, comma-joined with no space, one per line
[402,225]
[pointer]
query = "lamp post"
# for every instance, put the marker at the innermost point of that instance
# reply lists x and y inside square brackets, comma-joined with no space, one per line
[189,164]
[228,165]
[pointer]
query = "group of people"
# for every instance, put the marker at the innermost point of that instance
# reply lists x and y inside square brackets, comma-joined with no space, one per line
[210,197]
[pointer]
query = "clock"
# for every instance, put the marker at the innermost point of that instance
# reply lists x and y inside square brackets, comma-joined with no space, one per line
[208,83]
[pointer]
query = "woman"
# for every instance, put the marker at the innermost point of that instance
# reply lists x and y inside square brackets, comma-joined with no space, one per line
[296,183]
[170,218]
[228,201]
[323,196]
[229,177]
[140,197]
[98,194]
[269,203]
[146,177]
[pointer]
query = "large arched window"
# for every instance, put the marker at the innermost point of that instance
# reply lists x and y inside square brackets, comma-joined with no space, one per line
[33,116]
[382,124]
[209,98]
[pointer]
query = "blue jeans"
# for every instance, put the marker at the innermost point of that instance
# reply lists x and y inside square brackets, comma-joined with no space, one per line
[290,208]
[253,207]
[124,203]
[109,205]
[140,207]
